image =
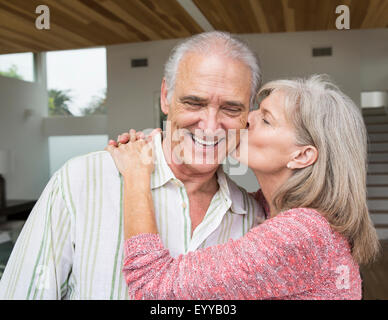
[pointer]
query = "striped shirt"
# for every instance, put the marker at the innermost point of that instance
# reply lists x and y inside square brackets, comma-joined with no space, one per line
[71,246]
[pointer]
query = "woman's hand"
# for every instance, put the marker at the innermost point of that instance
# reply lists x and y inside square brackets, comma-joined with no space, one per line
[133,159]
[132,154]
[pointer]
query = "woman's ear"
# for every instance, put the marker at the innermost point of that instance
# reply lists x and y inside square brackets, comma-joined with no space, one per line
[163,97]
[304,157]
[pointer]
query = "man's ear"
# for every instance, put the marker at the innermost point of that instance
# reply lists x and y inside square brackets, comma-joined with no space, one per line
[163,97]
[304,157]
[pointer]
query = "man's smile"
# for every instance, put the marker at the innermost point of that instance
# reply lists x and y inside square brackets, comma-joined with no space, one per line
[208,142]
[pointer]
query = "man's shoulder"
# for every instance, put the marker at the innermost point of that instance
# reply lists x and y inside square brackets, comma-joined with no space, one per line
[93,162]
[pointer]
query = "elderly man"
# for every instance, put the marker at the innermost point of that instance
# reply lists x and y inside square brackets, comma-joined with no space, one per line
[71,247]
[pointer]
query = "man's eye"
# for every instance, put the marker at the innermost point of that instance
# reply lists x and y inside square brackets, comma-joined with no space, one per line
[232,110]
[194,104]
[265,121]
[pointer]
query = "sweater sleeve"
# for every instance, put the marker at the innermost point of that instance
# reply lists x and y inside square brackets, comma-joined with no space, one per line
[278,258]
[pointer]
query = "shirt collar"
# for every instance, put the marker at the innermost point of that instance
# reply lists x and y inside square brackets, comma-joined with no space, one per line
[233,192]
[228,189]
[162,172]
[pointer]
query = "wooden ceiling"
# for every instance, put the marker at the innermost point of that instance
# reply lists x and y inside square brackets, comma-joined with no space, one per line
[257,16]
[86,23]
[90,23]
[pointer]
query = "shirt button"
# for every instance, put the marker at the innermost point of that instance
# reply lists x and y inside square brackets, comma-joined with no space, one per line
[184,205]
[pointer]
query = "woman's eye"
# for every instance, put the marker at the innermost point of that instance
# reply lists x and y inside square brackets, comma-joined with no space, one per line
[265,121]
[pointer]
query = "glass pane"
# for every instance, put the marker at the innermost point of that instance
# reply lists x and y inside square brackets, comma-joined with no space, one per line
[63,148]
[76,80]
[18,65]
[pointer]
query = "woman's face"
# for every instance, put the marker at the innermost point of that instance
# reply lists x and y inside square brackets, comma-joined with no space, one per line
[271,138]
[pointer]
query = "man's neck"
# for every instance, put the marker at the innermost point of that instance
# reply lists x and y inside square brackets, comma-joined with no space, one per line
[195,182]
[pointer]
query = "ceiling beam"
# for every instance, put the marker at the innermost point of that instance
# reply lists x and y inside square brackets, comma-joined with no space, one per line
[115,9]
[196,14]
[373,10]
[118,29]
[23,40]
[289,17]
[381,20]
[260,16]
[171,31]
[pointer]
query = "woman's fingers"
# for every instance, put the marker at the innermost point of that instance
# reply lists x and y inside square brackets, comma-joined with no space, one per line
[110,147]
[140,135]
[123,138]
[155,132]
[132,135]
[112,143]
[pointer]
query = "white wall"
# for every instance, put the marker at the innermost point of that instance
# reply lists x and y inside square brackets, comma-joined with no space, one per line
[359,62]
[130,90]
[63,148]
[290,55]
[23,137]
[374,58]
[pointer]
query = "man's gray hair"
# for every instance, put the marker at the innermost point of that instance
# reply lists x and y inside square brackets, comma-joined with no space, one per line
[214,42]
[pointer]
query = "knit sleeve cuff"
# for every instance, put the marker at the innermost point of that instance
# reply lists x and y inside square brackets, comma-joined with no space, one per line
[142,244]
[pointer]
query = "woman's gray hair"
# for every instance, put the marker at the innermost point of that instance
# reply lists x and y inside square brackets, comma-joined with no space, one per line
[217,42]
[335,185]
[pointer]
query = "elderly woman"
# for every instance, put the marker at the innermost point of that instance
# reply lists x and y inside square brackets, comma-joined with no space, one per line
[307,146]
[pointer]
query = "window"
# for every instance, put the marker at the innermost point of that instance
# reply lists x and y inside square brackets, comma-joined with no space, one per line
[76,81]
[63,148]
[17,65]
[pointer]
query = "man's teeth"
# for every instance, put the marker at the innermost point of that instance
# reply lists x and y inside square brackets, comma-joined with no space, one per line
[203,142]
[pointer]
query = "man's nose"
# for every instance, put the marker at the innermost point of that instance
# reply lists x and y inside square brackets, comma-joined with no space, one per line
[210,121]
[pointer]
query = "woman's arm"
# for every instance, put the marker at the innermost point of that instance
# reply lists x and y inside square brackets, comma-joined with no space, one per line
[276,259]
[133,158]
[139,216]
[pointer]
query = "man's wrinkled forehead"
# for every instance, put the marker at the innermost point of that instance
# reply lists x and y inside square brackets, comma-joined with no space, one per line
[198,74]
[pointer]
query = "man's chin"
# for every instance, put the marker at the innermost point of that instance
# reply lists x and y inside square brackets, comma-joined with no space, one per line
[202,168]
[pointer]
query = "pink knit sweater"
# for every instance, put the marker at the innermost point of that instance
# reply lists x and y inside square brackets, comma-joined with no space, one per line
[295,255]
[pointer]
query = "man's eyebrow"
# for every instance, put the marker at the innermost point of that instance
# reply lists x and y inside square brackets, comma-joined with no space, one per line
[234,104]
[192,98]
[230,103]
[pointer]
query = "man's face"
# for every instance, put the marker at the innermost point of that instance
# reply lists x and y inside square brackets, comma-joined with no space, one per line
[211,97]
